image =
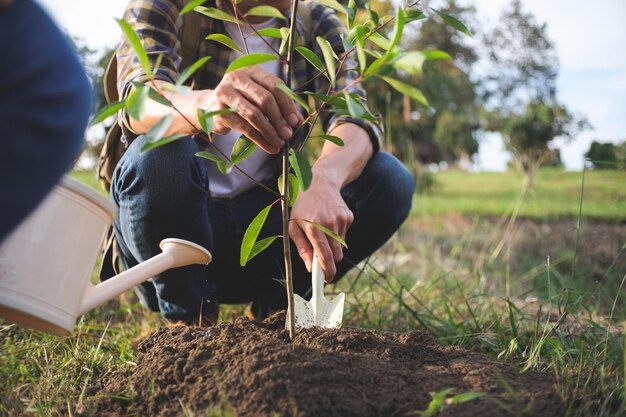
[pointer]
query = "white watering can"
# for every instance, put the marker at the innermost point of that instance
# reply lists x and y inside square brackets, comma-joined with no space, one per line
[47,261]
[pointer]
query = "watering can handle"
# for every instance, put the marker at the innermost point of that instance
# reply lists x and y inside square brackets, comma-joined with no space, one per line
[317,279]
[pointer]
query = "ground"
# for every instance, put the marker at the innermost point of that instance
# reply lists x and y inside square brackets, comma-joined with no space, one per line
[251,369]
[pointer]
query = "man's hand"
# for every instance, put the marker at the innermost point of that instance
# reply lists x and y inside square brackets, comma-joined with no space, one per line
[265,114]
[322,204]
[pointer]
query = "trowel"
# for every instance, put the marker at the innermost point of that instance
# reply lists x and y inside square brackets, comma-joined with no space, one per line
[319,312]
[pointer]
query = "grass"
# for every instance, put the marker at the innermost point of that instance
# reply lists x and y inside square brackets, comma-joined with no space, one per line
[468,280]
[555,194]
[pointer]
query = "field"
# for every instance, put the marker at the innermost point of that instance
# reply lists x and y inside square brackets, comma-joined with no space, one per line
[528,287]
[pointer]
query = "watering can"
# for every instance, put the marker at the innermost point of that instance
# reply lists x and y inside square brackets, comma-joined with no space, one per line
[319,311]
[47,261]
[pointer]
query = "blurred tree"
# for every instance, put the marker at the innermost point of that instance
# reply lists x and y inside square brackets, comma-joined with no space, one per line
[620,155]
[95,64]
[602,155]
[448,131]
[520,91]
[527,135]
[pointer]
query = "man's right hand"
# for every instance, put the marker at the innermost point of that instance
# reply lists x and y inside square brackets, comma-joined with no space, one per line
[265,113]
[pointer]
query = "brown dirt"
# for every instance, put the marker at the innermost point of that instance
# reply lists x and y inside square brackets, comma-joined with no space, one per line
[251,369]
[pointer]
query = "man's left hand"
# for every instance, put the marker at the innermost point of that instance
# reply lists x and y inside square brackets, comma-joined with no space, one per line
[322,204]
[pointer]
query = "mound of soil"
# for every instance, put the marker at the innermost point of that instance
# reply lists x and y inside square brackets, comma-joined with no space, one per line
[251,369]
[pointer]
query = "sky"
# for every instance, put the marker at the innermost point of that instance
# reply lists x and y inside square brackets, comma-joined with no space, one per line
[589,37]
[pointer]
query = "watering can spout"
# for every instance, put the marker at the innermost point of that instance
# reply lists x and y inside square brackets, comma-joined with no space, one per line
[175,253]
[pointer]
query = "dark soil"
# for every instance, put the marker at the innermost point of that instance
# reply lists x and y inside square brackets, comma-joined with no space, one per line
[251,369]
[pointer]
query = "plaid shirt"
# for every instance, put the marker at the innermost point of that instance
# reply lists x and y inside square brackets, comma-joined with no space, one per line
[160,29]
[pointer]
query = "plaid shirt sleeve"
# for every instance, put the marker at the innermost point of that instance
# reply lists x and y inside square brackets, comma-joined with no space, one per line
[157,24]
[328,26]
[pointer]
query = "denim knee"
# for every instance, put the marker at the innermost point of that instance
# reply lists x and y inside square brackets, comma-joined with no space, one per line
[162,176]
[390,183]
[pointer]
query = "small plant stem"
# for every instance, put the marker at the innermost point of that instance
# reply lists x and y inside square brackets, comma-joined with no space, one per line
[285,201]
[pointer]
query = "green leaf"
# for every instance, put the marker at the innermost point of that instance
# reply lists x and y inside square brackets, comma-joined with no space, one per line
[355,108]
[414,14]
[373,15]
[335,101]
[269,32]
[435,55]
[293,188]
[163,141]
[191,5]
[251,235]
[242,149]
[409,90]
[261,245]
[302,168]
[156,96]
[189,71]
[410,62]
[398,28]
[360,44]
[347,45]
[380,41]
[351,12]
[311,57]
[452,21]
[135,43]
[284,43]
[215,13]
[210,156]
[334,139]
[135,101]
[178,89]
[329,58]
[224,40]
[205,118]
[294,96]
[106,111]
[225,167]
[249,60]
[334,4]
[377,64]
[328,232]
[468,396]
[267,11]
[157,131]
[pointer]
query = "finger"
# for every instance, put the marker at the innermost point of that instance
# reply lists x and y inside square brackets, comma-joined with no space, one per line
[233,98]
[238,123]
[285,103]
[270,108]
[305,250]
[336,249]
[323,250]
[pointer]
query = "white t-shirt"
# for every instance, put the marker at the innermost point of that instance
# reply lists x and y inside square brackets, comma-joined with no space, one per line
[258,165]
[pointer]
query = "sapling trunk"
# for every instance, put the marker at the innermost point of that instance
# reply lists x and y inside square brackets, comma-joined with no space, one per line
[285,201]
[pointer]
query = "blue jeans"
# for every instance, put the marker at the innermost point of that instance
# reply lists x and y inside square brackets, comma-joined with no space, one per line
[45,100]
[165,193]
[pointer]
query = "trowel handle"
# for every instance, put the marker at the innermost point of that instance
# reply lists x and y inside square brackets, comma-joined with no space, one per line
[317,279]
